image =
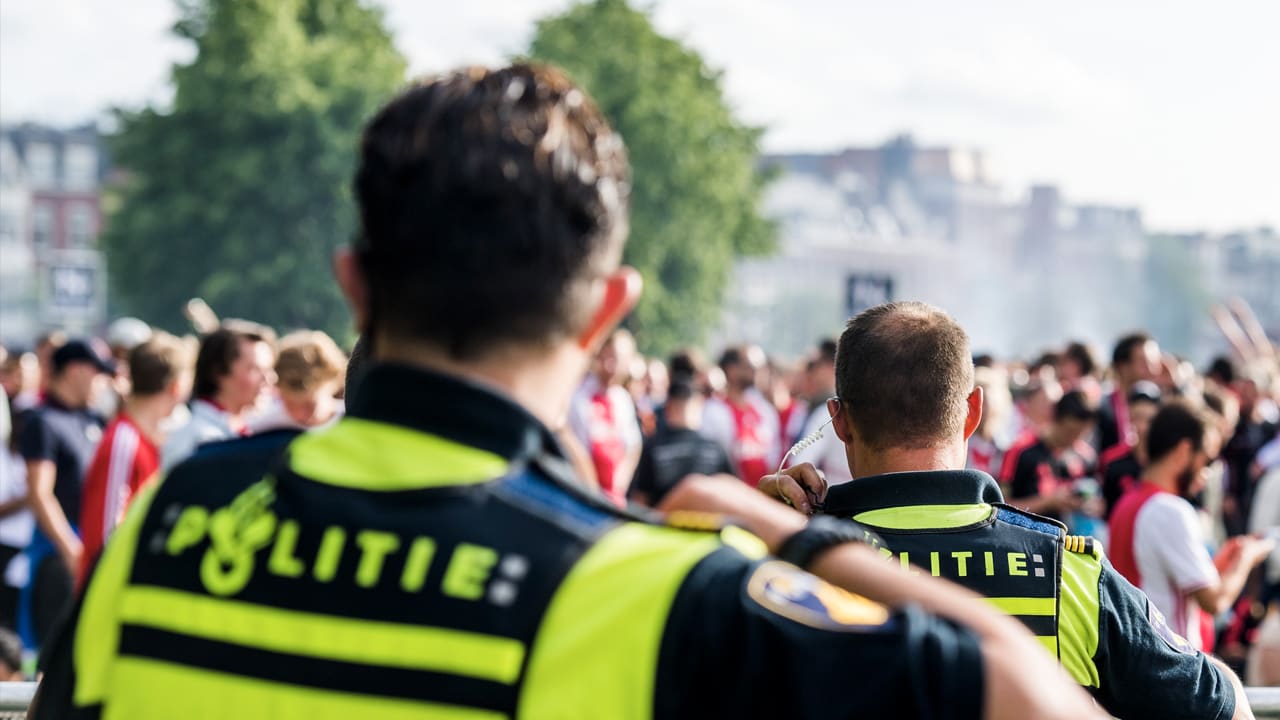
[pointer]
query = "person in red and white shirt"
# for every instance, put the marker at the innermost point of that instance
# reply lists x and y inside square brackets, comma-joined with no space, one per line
[744,422]
[602,416]
[128,456]
[1156,538]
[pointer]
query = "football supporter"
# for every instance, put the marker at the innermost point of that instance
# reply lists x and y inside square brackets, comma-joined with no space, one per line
[128,456]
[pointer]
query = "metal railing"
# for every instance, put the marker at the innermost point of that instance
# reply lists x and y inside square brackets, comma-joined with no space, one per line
[1265,701]
[14,699]
[16,696]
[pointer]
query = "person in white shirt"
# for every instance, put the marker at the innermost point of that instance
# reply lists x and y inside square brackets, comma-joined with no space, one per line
[1265,517]
[1157,541]
[602,416]
[234,369]
[16,520]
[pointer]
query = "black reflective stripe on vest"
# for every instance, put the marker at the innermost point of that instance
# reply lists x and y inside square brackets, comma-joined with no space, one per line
[313,672]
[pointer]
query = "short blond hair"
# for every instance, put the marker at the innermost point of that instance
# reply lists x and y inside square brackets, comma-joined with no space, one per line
[307,360]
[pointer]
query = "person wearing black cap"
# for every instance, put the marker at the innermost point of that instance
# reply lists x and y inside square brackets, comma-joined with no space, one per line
[57,442]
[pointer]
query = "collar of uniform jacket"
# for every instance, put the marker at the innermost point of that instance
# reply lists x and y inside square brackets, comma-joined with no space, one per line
[451,408]
[938,487]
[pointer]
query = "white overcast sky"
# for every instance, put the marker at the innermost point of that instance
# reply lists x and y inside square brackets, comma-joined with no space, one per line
[1172,106]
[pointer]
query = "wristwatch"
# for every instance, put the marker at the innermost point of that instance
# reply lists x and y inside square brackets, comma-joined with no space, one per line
[822,533]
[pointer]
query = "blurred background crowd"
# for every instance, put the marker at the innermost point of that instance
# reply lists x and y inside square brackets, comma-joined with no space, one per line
[87,422]
[765,210]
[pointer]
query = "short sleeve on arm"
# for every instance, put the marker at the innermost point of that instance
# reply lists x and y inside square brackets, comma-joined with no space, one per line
[1147,670]
[765,639]
[37,441]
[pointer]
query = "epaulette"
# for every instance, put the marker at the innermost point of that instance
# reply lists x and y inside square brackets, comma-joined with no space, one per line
[1080,544]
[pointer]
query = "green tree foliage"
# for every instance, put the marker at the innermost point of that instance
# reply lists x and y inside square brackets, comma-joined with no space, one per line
[240,191]
[697,188]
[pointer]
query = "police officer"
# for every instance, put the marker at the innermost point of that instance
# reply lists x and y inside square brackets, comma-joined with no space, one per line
[906,404]
[430,555]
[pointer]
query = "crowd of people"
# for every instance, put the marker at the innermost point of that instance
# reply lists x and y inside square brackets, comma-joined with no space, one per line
[453,516]
[1065,435]
[90,421]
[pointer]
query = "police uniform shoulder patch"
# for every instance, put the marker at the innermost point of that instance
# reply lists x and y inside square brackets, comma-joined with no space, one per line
[786,590]
[1081,545]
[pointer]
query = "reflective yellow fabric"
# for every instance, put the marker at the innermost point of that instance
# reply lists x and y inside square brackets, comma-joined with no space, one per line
[596,653]
[1078,621]
[151,690]
[376,456]
[926,517]
[98,633]
[1077,635]
[325,636]
[744,542]
[1024,605]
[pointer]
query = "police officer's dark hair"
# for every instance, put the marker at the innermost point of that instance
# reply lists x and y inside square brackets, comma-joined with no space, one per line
[490,200]
[1075,405]
[219,350]
[904,375]
[1125,347]
[1176,421]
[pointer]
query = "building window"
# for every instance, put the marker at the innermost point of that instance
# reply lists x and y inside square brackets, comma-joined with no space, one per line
[81,167]
[42,165]
[80,228]
[42,226]
[8,228]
